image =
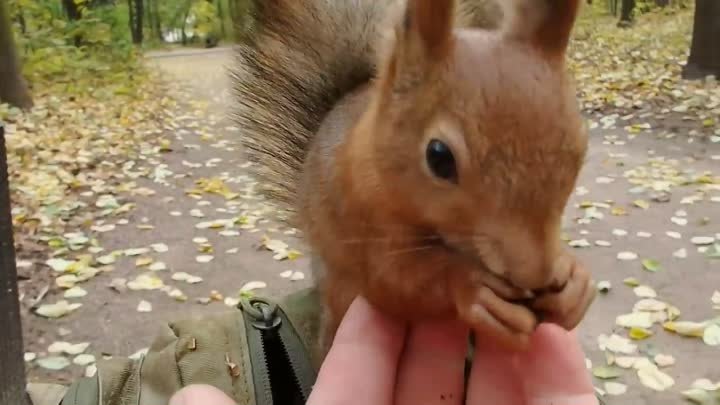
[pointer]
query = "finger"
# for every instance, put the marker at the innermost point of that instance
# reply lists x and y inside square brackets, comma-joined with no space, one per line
[494,378]
[360,367]
[432,367]
[553,372]
[200,395]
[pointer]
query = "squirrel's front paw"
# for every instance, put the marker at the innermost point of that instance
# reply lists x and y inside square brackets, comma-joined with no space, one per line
[568,305]
[493,317]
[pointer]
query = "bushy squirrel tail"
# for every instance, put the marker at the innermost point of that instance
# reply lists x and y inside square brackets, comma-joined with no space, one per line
[298,59]
[295,63]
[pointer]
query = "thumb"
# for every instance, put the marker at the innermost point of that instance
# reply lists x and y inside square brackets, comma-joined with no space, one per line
[200,395]
[553,371]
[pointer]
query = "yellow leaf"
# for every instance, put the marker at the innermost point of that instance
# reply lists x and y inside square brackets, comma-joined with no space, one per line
[640,333]
[690,329]
[641,204]
[618,211]
[293,254]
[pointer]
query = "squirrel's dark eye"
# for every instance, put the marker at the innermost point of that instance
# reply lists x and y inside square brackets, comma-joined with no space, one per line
[441,161]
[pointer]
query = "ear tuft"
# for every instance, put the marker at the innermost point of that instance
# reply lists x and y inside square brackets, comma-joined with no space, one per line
[430,22]
[547,24]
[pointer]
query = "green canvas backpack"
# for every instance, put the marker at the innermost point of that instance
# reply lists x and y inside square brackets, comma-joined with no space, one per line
[261,353]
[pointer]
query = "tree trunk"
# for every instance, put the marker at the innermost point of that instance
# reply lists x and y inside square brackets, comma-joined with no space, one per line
[626,13]
[704,57]
[73,14]
[13,88]
[135,8]
[71,9]
[157,27]
[184,22]
[12,372]
[221,16]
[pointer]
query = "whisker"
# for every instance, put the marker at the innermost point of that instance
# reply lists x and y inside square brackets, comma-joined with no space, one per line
[391,238]
[408,250]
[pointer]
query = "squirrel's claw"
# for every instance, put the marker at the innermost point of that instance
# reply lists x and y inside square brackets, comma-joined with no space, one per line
[567,306]
[507,323]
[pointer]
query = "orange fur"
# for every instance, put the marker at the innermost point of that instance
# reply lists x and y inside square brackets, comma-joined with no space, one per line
[487,249]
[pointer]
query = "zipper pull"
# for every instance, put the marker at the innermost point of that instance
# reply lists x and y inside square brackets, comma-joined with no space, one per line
[264,314]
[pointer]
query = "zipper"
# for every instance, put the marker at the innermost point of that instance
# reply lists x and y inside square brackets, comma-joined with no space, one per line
[281,368]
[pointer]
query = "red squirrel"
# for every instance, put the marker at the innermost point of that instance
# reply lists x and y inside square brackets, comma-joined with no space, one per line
[427,150]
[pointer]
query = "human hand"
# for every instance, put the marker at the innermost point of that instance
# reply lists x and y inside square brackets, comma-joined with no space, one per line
[375,360]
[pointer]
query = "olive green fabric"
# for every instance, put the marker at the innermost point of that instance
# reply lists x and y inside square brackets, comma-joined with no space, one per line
[211,350]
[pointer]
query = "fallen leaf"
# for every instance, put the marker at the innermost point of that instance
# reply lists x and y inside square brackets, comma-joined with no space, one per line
[75,292]
[664,360]
[653,378]
[649,305]
[106,260]
[253,285]
[702,240]
[57,310]
[680,253]
[231,301]
[136,251]
[160,247]
[640,333]
[631,282]
[711,336]
[673,234]
[634,320]
[68,348]
[143,261]
[627,256]
[615,388]
[84,360]
[604,286]
[158,266]
[144,306]
[616,344]
[644,291]
[705,384]
[698,396]
[606,372]
[651,265]
[641,204]
[204,259]
[54,363]
[145,282]
[59,265]
[686,328]
[626,362]
[579,243]
[619,232]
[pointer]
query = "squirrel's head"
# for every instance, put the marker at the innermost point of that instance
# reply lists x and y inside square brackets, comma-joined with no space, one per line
[477,134]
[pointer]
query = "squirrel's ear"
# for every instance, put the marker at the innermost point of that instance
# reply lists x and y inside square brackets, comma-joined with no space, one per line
[423,39]
[546,24]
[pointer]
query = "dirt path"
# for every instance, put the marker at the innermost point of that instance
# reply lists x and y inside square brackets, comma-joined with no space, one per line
[205,146]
